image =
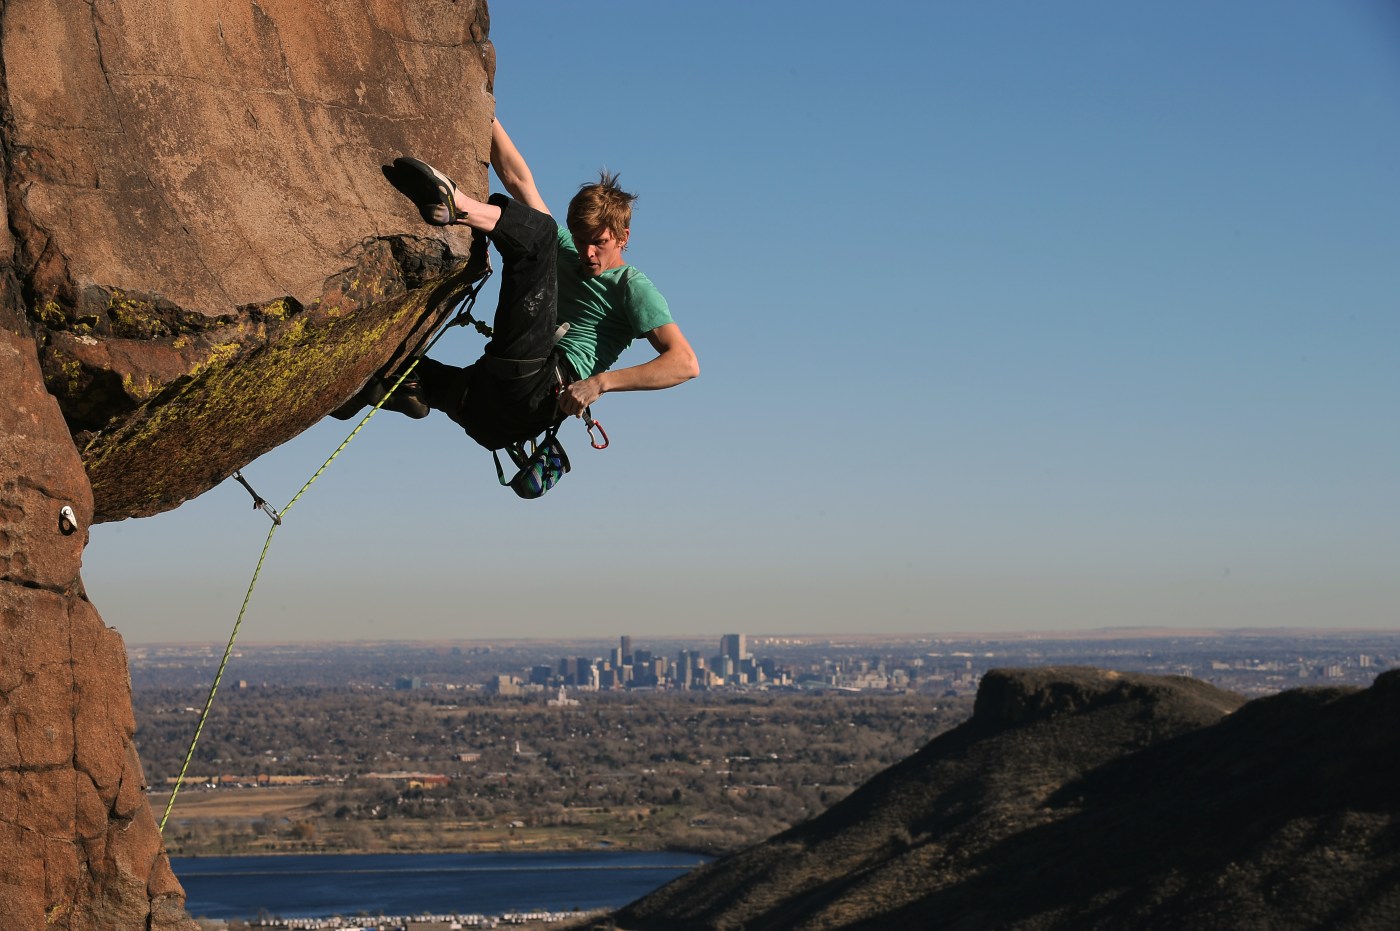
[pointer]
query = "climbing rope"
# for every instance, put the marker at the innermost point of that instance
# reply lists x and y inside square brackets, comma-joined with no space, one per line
[462,318]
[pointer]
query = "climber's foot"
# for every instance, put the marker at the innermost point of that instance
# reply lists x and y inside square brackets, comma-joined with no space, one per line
[431,191]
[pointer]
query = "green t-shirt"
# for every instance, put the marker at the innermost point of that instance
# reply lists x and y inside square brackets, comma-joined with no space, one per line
[605,313]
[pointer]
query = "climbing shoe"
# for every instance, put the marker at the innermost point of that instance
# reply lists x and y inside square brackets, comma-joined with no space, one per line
[409,399]
[429,189]
[361,399]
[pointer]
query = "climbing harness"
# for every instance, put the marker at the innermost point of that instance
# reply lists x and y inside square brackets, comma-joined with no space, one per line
[541,463]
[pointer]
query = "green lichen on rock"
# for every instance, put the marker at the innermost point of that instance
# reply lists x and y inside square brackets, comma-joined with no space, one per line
[140,386]
[70,373]
[50,314]
[280,309]
[248,396]
[132,316]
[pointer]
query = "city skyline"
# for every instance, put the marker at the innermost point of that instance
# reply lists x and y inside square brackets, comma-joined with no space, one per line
[1248,662]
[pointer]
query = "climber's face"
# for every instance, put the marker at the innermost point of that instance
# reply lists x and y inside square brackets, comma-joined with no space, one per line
[600,250]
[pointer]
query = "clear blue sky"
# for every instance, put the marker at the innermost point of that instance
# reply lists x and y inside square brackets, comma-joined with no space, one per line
[1012,316]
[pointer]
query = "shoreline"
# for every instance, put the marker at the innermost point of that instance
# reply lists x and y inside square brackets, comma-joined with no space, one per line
[270,854]
[526,921]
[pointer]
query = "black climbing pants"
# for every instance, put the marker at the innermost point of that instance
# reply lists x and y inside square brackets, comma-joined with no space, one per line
[508,395]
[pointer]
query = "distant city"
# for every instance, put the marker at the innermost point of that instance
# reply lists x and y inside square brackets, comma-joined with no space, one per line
[1246,662]
[1251,662]
[732,667]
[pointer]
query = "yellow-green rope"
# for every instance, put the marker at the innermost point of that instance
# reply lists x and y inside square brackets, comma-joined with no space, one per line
[247,597]
[463,317]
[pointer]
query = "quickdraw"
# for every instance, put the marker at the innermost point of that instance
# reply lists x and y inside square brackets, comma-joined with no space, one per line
[258,501]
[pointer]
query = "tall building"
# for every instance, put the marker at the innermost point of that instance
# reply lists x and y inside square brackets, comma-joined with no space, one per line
[727,668]
[734,647]
[626,649]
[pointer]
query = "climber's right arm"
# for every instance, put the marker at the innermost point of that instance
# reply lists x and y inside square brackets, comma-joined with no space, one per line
[512,169]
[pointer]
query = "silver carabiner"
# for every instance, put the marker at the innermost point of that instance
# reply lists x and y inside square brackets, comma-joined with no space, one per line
[258,501]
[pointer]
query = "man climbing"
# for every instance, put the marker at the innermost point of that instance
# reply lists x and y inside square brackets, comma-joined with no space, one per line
[529,376]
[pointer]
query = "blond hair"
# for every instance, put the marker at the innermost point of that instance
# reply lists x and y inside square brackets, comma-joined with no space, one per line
[601,205]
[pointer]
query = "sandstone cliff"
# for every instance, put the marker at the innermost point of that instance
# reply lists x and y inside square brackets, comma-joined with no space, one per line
[200,259]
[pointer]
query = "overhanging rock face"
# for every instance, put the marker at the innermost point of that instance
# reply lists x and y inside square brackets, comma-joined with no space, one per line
[198,209]
[246,386]
[200,259]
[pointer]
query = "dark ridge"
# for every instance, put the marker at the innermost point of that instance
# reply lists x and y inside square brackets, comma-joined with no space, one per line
[1081,798]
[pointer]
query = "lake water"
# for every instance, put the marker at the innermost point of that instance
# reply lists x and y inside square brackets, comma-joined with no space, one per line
[404,884]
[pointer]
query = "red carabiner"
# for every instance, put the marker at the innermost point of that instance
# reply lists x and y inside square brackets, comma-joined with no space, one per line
[591,423]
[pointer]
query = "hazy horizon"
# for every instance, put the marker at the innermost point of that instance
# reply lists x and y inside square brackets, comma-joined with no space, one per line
[764,638]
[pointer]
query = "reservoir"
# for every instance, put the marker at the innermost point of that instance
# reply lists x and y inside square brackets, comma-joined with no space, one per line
[321,885]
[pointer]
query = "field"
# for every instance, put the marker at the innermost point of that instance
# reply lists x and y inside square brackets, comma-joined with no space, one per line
[253,821]
[290,802]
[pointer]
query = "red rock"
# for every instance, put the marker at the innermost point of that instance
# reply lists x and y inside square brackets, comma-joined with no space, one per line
[201,259]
